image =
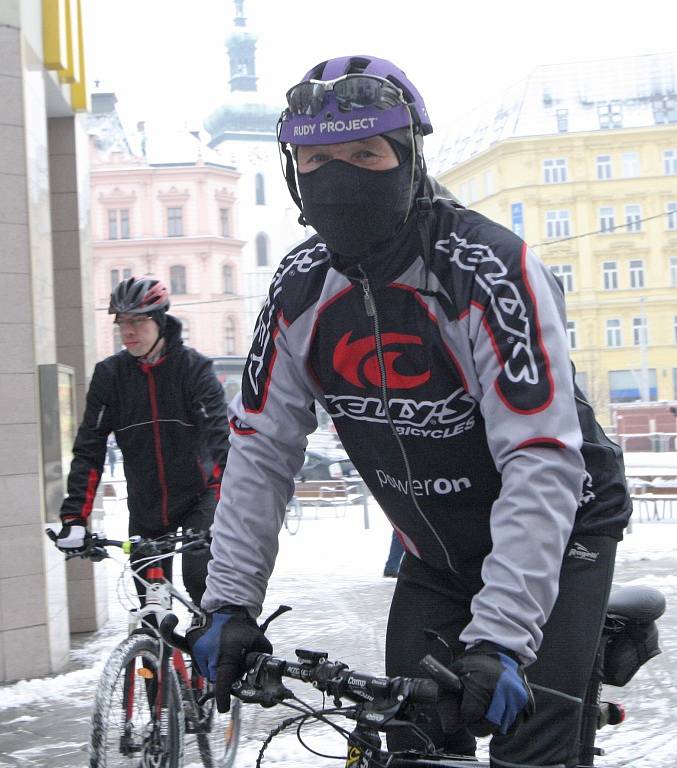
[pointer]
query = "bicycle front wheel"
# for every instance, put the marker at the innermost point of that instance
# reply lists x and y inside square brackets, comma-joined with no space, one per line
[293,515]
[218,742]
[138,714]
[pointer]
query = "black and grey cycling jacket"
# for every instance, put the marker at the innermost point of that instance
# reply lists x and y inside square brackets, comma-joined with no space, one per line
[449,382]
[170,421]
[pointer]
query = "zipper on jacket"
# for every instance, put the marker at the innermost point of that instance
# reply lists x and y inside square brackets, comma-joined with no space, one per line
[370,308]
[158,445]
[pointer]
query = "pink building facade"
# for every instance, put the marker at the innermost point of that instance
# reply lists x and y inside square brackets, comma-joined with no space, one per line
[176,222]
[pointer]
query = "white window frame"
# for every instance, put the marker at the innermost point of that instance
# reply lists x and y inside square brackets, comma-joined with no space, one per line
[176,275]
[555,170]
[636,268]
[610,275]
[673,271]
[640,327]
[603,167]
[633,217]
[614,336]
[118,274]
[227,278]
[565,272]
[557,224]
[670,162]
[607,220]
[174,221]
[229,335]
[671,211]
[571,334]
[630,165]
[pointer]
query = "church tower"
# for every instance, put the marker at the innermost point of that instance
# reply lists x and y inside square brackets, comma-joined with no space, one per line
[241,47]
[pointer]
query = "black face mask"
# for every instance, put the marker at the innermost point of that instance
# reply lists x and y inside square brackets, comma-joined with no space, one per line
[354,209]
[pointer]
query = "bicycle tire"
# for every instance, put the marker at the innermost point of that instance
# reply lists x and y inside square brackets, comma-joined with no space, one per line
[218,746]
[292,516]
[116,739]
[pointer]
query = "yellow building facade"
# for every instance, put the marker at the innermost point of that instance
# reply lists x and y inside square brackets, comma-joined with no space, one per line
[599,207]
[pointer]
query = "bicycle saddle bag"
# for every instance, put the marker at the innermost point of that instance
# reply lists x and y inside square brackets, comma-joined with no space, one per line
[631,632]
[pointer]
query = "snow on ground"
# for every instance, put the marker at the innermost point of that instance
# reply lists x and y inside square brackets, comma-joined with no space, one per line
[330,572]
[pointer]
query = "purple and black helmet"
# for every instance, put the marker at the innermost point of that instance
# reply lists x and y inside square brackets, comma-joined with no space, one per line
[327,107]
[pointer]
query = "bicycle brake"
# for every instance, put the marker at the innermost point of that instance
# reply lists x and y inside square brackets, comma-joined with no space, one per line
[274,615]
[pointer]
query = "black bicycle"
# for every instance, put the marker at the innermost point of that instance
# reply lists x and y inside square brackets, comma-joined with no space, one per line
[379,704]
[150,694]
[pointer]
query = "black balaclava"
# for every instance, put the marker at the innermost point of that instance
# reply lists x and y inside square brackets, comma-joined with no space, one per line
[356,210]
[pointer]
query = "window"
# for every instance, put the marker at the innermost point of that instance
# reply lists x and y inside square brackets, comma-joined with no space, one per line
[633,218]
[627,386]
[224,221]
[665,110]
[670,162]
[185,330]
[613,333]
[630,164]
[562,116]
[610,115]
[672,215]
[229,336]
[565,272]
[472,190]
[262,249]
[603,165]
[555,170]
[571,333]
[673,270]
[488,183]
[640,337]
[637,273]
[117,340]
[177,279]
[118,224]
[260,189]
[228,285]
[174,222]
[610,273]
[674,337]
[118,275]
[606,220]
[557,224]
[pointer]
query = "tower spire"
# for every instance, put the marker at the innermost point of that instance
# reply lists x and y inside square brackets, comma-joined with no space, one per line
[241,46]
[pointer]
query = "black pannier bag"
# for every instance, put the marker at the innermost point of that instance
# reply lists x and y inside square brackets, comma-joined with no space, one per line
[628,650]
[631,631]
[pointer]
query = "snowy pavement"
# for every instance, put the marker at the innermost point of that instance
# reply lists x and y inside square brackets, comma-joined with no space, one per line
[330,572]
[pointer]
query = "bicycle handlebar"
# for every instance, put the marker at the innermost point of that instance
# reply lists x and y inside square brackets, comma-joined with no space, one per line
[263,682]
[95,544]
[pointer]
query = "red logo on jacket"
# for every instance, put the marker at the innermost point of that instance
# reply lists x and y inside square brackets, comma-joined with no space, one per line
[357,361]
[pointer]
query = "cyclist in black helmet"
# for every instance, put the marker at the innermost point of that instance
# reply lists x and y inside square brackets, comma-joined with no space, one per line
[168,413]
[436,341]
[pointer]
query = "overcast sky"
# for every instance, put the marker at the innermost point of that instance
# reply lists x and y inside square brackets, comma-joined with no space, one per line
[167,63]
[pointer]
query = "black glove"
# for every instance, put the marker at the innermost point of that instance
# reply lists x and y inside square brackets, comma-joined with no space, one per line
[221,645]
[496,695]
[71,538]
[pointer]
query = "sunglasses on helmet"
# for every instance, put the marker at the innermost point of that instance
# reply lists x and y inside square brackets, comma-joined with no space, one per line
[350,92]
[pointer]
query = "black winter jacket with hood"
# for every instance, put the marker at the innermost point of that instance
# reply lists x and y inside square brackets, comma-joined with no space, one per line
[169,420]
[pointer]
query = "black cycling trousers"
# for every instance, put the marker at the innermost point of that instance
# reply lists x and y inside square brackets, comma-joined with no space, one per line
[428,598]
[193,564]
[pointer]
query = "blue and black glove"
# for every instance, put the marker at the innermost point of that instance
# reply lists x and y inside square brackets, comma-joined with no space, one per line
[220,647]
[496,695]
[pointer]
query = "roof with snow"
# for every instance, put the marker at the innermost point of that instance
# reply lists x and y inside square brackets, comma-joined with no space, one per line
[584,96]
